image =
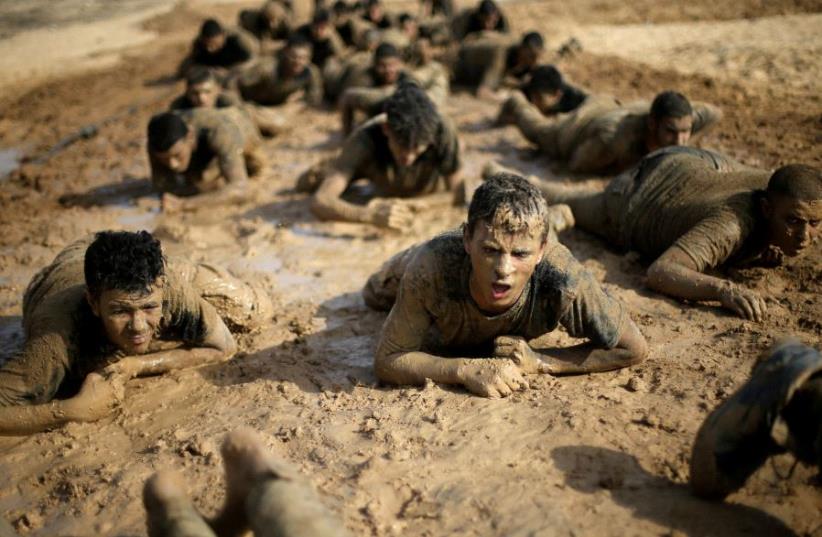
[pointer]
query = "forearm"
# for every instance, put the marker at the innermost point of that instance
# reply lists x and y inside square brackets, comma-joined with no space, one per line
[330,207]
[682,282]
[413,368]
[234,193]
[164,361]
[30,419]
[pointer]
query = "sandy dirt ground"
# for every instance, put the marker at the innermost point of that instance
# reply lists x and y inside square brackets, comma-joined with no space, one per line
[589,455]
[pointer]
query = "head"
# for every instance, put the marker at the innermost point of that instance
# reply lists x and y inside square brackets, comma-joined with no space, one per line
[670,121]
[505,237]
[202,88]
[370,39]
[170,141]
[340,10]
[273,14]
[792,207]
[488,14]
[387,63]
[545,87]
[412,123]
[423,51]
[530,49]
[408,24]
[321,24]
[212,36]
[124,274]
[373,10]
[296,54]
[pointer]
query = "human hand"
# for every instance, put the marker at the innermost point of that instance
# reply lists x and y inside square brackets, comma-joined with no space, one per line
[171,203]
[772,256]
[518,351]
[491,378]
[96,398]
[391,213]
[744,302]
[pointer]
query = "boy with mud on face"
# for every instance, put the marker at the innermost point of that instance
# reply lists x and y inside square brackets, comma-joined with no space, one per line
[410,150]
[110,309]
[489,289]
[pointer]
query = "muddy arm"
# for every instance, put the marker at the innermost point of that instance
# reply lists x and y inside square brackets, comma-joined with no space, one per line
[674,274]
[218,346]
[96,399]
[327,203]
[630,350]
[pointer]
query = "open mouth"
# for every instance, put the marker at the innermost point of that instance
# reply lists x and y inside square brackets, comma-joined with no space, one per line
[499,290]
[138,340]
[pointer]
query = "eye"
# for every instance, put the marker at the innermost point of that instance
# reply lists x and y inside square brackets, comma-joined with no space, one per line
[521,254]
[489,250]
[150,307]
[813,223]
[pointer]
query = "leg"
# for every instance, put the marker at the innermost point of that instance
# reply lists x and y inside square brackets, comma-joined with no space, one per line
[268,495]
[169,511]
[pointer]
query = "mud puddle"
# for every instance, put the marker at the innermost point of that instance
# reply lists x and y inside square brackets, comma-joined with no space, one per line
[9,161]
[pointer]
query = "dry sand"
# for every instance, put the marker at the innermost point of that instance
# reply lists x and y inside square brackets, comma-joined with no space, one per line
[590,455]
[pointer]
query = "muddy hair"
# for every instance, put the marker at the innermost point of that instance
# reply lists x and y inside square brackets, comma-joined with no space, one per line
[796,181]
[508,200]
[386,50]
[412,117]
[200,75]
[164,130]
[670,104]
[298,40]
[322,16]
[544,79]
[487,7]
[210,28]
[123,260]
[533,40]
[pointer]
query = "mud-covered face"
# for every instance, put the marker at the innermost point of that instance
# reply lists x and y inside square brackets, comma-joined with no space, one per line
[214,43]
[403,154]
[388,69]
[501,263]
[178,156]
[130,320]
[793,225]
[544,100]
[672,131]
[296,60]
[490,21]
[204,94]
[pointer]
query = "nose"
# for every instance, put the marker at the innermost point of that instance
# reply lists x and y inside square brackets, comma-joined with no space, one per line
[804,233]
[138,322]
[504,267]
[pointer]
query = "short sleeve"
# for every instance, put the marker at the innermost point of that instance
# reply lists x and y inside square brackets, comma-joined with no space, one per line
[355,152]
[449,150]
[34,376]
[592,313]
[410,319]
[713,240]
[188,318]
[226,141]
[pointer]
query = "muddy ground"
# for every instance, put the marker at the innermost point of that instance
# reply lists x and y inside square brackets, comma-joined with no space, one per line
[590,455]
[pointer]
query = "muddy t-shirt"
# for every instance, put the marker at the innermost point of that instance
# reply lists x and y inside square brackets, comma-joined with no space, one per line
[484,61]
[434,308]
[237,49]
[322,49]
[264,83]
[700,202]
[222,136]
[366,155]
[65,341]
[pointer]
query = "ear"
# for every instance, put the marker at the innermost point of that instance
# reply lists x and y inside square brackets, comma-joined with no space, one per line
[385,129]
[93,304]
[766,207]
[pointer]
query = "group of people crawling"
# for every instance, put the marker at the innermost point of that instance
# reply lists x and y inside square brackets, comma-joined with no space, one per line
[462,306]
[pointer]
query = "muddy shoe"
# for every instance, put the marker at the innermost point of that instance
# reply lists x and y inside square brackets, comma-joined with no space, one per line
[736,438]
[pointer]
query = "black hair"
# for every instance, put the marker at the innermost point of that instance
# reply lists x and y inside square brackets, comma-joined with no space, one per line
[199,75]
[510,200]
[487,7]
[545,79]
[386,50]
[164,130]
[123,260]
[412,117]
[211,28]
[298,40]
[405,17]
[370,3]
[670,104]
[796,181]
[533,40]
[321,16]
[340,7]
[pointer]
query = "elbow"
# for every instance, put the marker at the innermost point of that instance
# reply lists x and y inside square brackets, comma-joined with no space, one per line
[634,343]
[319,207]
[657,276]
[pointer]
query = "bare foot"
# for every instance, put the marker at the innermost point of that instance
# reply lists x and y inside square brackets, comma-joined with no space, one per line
[162,490]
[246,462]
